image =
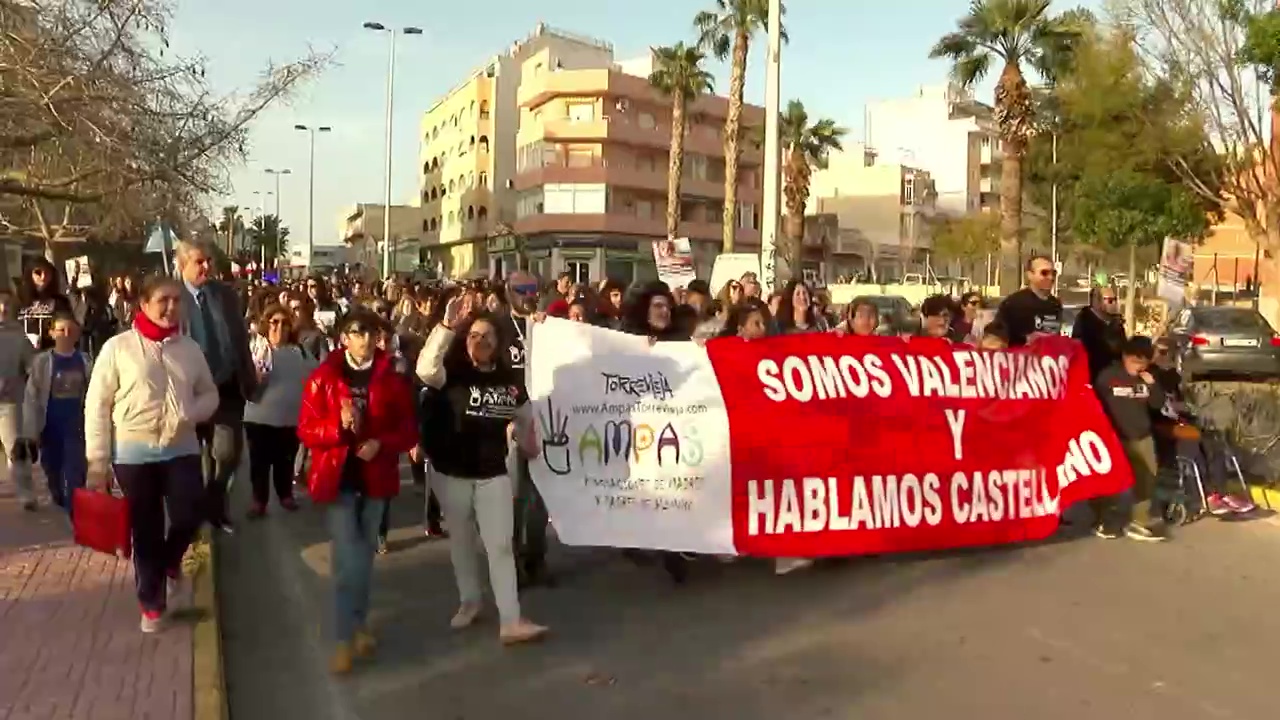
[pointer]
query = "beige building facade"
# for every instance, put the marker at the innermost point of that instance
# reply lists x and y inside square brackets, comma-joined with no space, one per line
[881,211]
[360,227]
[554,156]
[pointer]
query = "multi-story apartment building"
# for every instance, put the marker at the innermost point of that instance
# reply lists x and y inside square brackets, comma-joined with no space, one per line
[555,155]
[881,210]
[948,133]
[360,227]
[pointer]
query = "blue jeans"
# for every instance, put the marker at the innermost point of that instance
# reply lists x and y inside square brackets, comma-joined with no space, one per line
[62,455]
[353,536]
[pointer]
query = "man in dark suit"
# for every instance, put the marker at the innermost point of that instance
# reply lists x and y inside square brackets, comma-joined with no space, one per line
[212,316]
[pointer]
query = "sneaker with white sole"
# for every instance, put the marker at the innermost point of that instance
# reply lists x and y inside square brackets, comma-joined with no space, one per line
[152,622]
[783,566]
[1142,533]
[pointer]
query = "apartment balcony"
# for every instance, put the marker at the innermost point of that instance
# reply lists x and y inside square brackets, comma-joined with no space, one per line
[629,132]
[602,82]
[602,173]
[619,224]
[988,185]
[990,153]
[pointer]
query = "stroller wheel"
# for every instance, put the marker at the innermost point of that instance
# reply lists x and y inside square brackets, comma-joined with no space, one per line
[1176,514]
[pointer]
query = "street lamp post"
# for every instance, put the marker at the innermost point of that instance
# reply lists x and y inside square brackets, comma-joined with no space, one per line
[772,151]
[277,174]
[391,81]
[311,188]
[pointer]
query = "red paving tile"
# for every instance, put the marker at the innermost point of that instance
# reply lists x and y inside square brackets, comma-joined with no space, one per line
[71,646]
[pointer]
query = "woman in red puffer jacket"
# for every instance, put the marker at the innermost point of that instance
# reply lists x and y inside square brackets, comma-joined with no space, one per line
[357,420]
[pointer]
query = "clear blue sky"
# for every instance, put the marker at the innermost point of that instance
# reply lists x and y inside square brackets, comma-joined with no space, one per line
[842,54]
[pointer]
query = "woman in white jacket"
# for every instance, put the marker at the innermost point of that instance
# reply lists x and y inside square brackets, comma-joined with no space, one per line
[150,387]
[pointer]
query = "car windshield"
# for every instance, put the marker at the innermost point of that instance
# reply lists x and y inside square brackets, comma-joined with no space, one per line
[1231,320]
[885,304]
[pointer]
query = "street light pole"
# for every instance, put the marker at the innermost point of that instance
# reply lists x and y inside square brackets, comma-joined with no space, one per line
[1053,213]
[276,256]
[391,83]
[772,151]
[311,189]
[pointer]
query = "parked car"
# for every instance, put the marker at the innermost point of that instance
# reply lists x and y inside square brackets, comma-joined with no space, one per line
[896,315]
[1224,341]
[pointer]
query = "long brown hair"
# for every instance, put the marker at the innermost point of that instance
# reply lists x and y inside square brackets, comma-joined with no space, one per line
[271,310]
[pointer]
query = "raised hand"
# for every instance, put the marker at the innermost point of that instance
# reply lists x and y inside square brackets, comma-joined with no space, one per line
[458,307]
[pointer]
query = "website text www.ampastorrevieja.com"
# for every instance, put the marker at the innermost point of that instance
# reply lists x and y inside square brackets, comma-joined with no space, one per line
[639,406]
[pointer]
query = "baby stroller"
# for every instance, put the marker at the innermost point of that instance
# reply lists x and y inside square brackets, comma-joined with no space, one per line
[1180,488]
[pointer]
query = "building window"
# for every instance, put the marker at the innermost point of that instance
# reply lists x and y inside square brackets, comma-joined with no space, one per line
[473,141]
[426,197]
[580,270]
[484,180]
[908,190]
[433,224]
[529,203]
[451,186]
[644,210]
[647,121]
[426,225]
[449,220]
[484,143]
[482,213]
[434,195]
[568,199]
[435,132]
[484,109]
[620,270]
[471,212]
[426,167]
[748,217]
[580,158]
[471,180]
[581,112]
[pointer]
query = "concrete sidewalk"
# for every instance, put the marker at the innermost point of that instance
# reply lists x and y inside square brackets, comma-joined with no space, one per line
[69,621]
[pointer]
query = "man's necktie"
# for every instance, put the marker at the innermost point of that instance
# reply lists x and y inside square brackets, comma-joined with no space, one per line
[212,339]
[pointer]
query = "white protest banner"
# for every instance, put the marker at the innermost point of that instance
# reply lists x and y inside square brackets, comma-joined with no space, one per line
[635,440]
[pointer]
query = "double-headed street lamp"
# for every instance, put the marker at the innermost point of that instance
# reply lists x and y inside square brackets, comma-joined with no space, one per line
[311,188]
[391,80]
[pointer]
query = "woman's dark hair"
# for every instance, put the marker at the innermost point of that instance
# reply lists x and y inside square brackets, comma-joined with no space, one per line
[1138,346]
[603,305]
[635,314]
[861,301]
[739,313]
[971,295]
[52,287]
[456,356]
[271,310]
[155,284]
[786,308]
[936,305]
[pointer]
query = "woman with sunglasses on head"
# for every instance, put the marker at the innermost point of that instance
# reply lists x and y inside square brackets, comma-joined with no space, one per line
[482,410]
[356,420]
[271,416]
[149,389]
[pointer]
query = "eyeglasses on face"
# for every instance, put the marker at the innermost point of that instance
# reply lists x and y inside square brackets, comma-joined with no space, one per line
[1047,272]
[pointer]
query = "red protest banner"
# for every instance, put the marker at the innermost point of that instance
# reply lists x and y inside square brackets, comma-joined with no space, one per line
[847,445]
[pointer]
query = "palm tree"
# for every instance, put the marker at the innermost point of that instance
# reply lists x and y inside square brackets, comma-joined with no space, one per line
[1019,34]
[230,225]
[805,146]
[266,233]
[726,33]
[678,74]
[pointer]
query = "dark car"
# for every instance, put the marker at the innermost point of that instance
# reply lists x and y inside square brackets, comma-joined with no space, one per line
[1224,341]
[896,315]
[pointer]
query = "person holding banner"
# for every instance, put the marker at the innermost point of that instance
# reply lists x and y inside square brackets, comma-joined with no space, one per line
[1033,311]
[483,411]
[796,311]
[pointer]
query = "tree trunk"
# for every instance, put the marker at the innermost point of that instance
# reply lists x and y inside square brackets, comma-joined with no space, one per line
[675,165]
[732,129]
[1130,309]
[1011,220]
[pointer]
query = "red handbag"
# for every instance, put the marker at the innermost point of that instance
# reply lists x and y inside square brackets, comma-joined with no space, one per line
[101,522]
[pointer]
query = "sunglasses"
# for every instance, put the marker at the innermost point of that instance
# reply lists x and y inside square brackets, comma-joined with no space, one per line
[1048,272]
[1108,299]
[973,303]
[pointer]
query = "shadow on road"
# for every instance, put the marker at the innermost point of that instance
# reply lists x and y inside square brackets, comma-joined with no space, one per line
[736,641]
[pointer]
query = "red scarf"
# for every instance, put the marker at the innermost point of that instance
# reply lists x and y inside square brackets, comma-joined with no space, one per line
[151,331]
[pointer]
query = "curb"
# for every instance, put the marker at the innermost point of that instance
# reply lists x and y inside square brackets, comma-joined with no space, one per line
[1265,496]
[209,696]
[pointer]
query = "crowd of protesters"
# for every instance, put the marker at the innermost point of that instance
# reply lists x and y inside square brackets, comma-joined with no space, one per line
[318,379]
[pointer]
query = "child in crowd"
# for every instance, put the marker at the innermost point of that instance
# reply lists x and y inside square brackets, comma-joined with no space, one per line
[16,353]
[53,410]
[1130,394]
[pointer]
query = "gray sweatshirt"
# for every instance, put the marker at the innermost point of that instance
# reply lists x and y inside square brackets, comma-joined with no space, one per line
[16,354]
[280,398]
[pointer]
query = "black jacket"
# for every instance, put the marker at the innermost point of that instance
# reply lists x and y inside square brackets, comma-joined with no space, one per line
[1102,339]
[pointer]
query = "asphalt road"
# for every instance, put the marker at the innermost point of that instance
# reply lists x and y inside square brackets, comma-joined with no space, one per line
[1078,628]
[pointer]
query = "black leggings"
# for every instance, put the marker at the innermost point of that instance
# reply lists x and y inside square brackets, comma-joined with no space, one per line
[272,451]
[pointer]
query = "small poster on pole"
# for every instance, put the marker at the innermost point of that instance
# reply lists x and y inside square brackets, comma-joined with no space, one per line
[674,259]
[79,273]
